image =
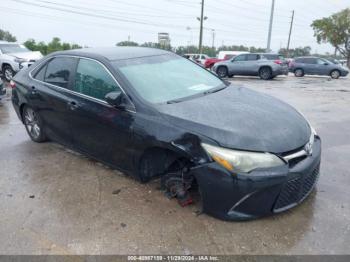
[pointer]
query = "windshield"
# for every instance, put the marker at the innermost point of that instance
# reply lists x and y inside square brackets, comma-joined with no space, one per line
[166,78]
[7,49]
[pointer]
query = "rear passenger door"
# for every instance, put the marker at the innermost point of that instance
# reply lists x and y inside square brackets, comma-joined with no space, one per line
[310,66]
[251,66]
[50,95]
[99,129]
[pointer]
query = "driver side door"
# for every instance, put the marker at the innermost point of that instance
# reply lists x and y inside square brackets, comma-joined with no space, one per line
[99,129]
[236,66]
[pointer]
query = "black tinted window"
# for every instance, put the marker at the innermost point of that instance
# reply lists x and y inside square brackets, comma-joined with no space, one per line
[252,57]
[241,58]
[40,74]
[59,70]
[310,61]
[273,57]
[92,79]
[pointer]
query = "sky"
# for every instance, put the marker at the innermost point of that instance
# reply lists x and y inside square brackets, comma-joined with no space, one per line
[107,22]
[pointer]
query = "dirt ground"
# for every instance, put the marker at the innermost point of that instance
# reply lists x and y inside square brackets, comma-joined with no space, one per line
[55,201]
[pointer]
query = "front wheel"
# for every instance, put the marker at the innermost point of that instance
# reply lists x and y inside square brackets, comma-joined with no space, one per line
[335,74]
[265,73]
[8,72]
[33,124]
[222,71]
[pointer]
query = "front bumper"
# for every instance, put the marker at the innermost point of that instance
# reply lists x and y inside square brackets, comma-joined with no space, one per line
[261,193]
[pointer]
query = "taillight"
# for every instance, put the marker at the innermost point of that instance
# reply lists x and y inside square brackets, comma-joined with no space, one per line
[278,62]
[12,84]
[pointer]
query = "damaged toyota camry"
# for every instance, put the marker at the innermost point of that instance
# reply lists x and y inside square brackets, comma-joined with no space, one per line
[155,115]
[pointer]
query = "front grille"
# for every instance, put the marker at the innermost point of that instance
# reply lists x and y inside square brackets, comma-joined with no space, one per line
[296,190]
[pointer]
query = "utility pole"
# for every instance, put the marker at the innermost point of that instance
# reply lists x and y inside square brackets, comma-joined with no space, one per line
[213,42]
[201,27]
[290,32]
[268,49]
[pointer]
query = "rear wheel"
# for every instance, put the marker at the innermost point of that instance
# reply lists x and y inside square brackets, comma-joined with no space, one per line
[222,71]
[299,72]
[33,124]
[265,73]
[335,74]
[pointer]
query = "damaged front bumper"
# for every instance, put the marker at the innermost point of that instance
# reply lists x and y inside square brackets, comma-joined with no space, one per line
[260,193]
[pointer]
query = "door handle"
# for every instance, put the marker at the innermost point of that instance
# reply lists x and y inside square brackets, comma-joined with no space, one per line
[73,105]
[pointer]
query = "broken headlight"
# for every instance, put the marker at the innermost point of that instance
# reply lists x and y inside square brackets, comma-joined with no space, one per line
[241,161]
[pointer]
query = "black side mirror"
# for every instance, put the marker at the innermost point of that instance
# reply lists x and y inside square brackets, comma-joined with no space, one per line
[119,100]
[325,63]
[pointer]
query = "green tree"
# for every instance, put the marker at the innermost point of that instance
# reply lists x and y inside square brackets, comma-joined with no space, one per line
[336,31]
[7,36]
[127,43]
[299,51]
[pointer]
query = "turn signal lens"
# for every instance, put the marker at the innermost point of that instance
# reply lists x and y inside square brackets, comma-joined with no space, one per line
[223,162]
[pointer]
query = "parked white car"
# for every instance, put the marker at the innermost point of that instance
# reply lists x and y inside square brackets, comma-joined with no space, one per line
[200,58]
[14,57]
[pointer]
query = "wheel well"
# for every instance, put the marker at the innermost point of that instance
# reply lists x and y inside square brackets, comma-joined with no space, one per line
[156,161]
[265,66]
[335,70]
[5,64]
[21,110]
[222,66]
[298,68]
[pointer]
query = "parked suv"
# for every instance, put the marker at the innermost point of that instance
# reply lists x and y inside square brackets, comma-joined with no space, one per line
[316,66]
[267,66]
[14,57]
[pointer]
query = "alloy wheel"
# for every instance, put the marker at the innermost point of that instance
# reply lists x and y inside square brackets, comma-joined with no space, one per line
[32,124]
[335,74]
[8,74]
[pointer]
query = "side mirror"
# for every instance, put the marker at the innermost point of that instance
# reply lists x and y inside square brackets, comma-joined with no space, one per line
[325,63]
[114,98]
[119,100]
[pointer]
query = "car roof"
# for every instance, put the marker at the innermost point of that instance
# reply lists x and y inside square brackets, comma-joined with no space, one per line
[114,53]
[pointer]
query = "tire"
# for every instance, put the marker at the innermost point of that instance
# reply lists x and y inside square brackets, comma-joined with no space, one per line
[222,71]
[7,72]
[33,125]
[335,74]
[299,72]
[265,73]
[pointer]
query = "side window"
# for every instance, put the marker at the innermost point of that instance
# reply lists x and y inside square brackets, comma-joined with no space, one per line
[252,57]
[310,61]
[240,58]
[93,80]
[59,71]
[41,73]
[321,61]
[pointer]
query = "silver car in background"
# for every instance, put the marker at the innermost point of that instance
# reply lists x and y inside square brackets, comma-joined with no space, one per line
[14,57]
[301,66]
[267,66]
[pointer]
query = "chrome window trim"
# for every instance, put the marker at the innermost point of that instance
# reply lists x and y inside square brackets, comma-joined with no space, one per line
[100,101]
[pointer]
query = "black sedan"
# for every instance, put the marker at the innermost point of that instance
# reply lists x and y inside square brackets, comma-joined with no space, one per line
[154,114]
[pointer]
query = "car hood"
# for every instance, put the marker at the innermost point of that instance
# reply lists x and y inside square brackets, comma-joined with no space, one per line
[241,118]
[35,55]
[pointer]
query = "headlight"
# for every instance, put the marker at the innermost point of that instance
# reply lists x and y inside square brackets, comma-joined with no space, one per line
[241,161]
[20,60]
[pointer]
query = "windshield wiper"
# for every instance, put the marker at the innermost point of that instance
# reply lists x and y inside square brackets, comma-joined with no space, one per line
[214,90]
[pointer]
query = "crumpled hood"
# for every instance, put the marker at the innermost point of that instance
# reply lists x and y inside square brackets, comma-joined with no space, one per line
[35,55]
[241,118]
